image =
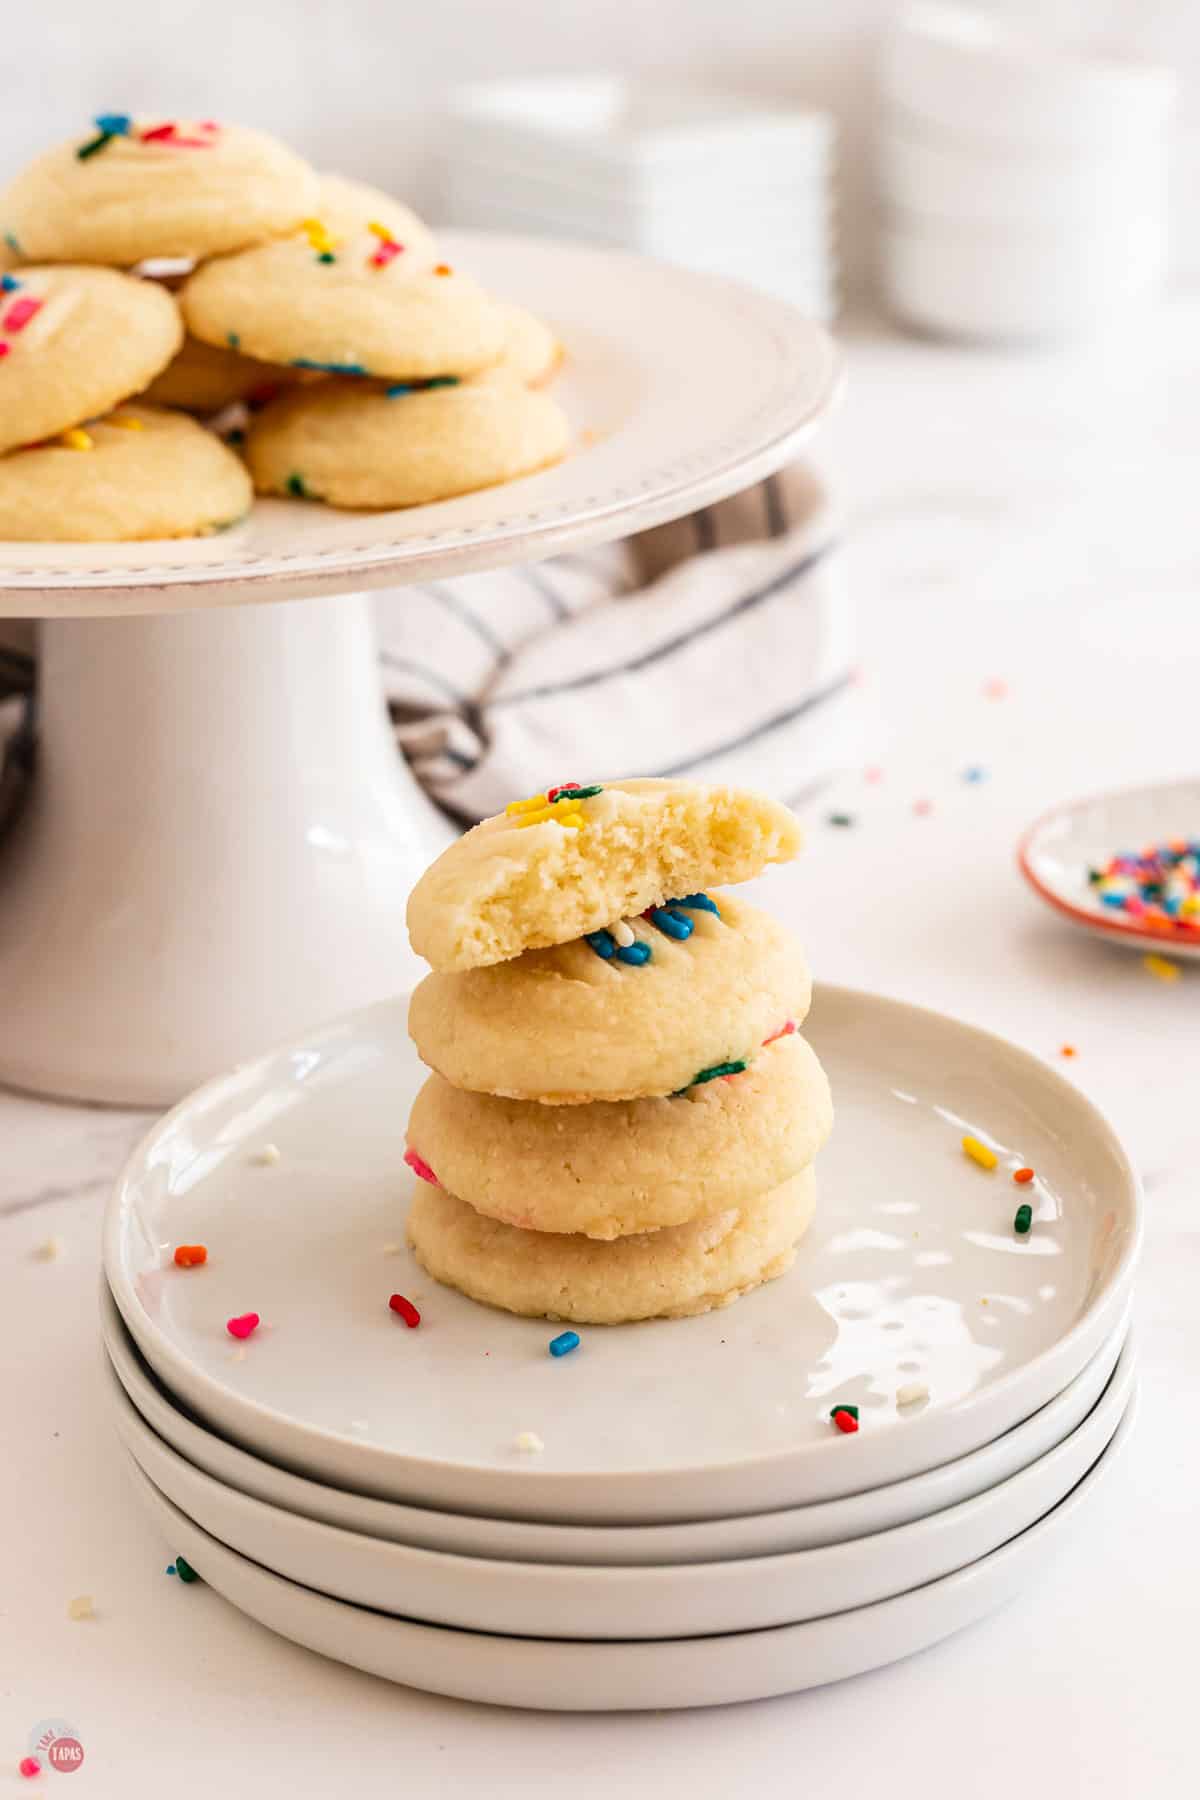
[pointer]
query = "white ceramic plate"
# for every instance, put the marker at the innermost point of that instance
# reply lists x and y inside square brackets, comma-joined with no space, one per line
[681,388]
[628,1676]
[911,1272]
[533,1599]
[1058,849]
[515,1540]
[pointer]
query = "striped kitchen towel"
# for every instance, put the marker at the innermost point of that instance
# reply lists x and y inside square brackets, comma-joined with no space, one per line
[719,647]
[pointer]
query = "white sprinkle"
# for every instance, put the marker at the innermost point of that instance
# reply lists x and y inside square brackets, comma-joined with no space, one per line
[49,1251]
[267,1156]
[234,417]
[392,1249]
[624,933]
[81,1607]
[530,1441]
[912,1395]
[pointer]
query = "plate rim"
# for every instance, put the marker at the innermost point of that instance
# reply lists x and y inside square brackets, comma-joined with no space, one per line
[546,1483]
[1112,929]
[129,1351]
[637,1658]
[505,537]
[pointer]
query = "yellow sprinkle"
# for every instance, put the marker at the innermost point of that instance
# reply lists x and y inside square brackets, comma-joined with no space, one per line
[530,805]
[77,439]
[573,821]
[319,235]
[1160,967]
[536,818]
[1190,908]
[127,422]
[979,1153]
[381,231]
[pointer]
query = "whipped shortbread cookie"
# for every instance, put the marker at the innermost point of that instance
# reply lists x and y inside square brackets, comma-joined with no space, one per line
[403,446]
[74,342]
[697,991]
[137,473]
[136,189]
[666,1274]
[575,858]
[615,1168]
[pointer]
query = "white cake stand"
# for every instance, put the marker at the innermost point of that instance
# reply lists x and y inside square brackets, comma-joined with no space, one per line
[221,837]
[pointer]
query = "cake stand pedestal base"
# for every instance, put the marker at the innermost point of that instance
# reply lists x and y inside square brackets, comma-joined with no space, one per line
[216,853]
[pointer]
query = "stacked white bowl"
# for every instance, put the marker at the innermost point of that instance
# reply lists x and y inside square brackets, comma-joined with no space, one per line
[713,181]
[669,1515]
[1024,180]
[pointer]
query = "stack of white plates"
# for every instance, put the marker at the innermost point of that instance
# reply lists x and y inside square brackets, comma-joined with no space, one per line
[715,182]
[1024,180]
[689,1527]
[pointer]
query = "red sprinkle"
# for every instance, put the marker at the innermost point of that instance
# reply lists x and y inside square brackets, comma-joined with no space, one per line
[20,312]
[169,134]
[242,1326]
[784,1031]
[420,1167]
[28,1766]
[406,1309]
[4,349]
[190,1256]
[564,787]
[845,1421]
[1022,1175]
[387,252]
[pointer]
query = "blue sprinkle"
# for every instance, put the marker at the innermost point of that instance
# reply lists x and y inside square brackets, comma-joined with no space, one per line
[1112,899]
[603,943]
[403,387]
[975,774]
[672,924]
[171,1569]
[9,284]
[232,339]
[634,953]
[698,903]
[349,368]
[564,1343]
[10,238]
[113,124]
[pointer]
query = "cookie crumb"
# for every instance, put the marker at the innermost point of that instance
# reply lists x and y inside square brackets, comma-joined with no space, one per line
[530,1442]
[912,1394]
[49,1251]
[267,1157]
[81,1607]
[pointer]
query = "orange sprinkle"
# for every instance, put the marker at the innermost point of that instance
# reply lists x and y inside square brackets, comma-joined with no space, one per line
[442,269]
[1022,1175]
[1068,1050]
[190,1256]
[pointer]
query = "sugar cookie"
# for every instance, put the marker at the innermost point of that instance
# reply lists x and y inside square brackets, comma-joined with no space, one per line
[331,298]
[203,378]
[531,351]
[139,473]
[360,448]
[139,188]
[668,1274]
[611,1169]
[566,1025]
[556,866]
[74,342]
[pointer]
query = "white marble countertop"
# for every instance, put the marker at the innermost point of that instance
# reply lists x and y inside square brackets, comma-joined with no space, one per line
[1028,519]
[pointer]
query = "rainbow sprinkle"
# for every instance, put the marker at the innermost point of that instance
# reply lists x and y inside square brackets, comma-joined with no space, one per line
[564,1343]
[108,126]
[321,239]
[20,312]
[1156,889]
[563,804]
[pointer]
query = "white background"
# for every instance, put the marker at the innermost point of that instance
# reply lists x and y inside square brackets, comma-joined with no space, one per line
[358,85]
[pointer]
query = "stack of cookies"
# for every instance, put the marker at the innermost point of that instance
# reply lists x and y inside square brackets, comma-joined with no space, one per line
[205,272]
[622,1117]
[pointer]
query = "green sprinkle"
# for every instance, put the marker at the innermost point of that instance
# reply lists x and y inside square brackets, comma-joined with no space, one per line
[93,144]
[184,1570]
[576,794]
[236,436]
[436,381]
[10,238]
[326,256]
[233,340]
[296,487]
[835,1410]
[1023,1220]
[717,1070]
[840,819]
